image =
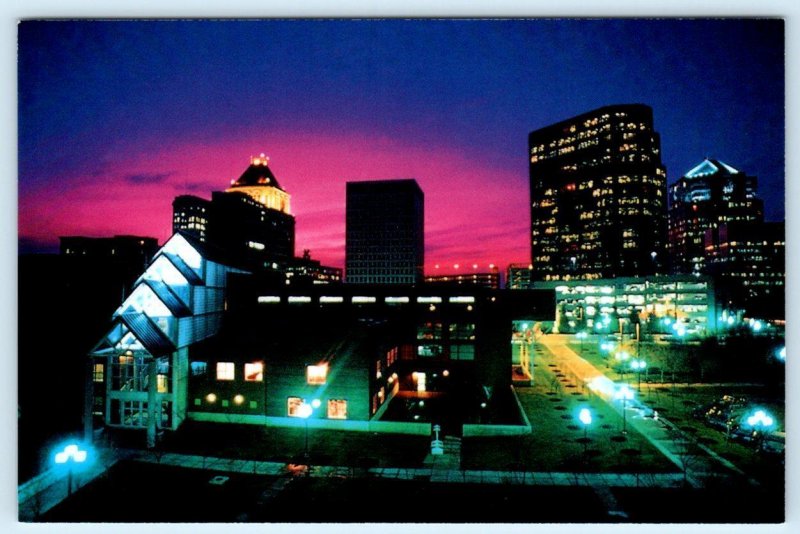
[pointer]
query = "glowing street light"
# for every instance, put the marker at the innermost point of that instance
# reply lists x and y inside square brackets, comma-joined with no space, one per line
[304,411]
[638,366]
[71,455]
[760,422]
[625,393]
[782,354]
[585,417]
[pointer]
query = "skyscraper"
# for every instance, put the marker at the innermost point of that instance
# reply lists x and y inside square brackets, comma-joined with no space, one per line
[710,195]
[385,241]
[598,196]
[250,221]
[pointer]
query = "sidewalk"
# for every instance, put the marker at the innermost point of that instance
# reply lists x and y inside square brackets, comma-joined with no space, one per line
[47,490]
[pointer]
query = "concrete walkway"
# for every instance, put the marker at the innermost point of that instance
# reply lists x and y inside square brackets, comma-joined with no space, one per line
[661,433]
[529,478]
[46,491]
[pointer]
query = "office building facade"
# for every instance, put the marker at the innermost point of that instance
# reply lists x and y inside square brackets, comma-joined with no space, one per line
[709,196]
[385,240]
[749,261]
[663,304]
[598,196]
[250,221]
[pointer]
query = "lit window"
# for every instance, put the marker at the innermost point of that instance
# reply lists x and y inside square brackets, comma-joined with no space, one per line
[97,372]
[162,384]
[225,370]
[337,409]
[293,406]
[254,372]
[316,374]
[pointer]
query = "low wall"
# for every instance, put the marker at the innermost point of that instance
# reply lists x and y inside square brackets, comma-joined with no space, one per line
[501,430]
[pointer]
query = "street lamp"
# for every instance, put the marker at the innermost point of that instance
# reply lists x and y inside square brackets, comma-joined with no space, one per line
[304,411]
[625,393]
[638,366]
[71,455]
[760,422]
[782,354]
[622,356]
[585,417]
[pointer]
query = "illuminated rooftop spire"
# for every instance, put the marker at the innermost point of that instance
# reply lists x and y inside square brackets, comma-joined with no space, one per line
[260,184]
[257,174]
[261,159]
[711,166]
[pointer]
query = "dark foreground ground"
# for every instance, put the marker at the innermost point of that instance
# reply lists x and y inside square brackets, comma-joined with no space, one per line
[138,492]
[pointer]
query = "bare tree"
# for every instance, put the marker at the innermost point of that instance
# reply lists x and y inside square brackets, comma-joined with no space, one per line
[686,451]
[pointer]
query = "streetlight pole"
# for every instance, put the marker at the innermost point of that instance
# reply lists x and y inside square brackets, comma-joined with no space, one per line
[305,412]
[760,421]
[70,456]
[585,417]
[624,393]
[581,336]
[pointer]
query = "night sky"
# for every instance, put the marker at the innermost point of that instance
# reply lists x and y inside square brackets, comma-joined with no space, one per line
[117,118]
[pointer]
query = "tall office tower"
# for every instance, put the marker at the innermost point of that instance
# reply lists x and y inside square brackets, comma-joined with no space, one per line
[250,221]
[749,260]
[385,240]
[708,196]
[190,215]
[598,196]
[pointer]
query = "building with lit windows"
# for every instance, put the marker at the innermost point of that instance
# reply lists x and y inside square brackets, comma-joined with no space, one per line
[709,196]
[663,304]
[359,355]
[598,196]
[190,216]
[385,239]
[519,276]
[139,370]
[250,221]
[129,249]
[356,348]
[749,262]
[489,279]
[307,270]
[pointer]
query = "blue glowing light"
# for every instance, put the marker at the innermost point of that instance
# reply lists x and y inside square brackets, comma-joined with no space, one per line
[585,416]
[762,418]
[70,452]
[624,392]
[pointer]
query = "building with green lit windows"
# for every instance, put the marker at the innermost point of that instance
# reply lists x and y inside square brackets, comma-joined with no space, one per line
[598,196]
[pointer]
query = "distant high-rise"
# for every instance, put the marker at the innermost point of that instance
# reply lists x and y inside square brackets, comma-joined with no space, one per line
[190,215]
[385,241]
[710,195]
[250,221]
[598,196]
[749,260]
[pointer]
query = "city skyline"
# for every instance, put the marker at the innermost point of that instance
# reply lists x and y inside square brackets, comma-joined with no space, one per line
[448,103]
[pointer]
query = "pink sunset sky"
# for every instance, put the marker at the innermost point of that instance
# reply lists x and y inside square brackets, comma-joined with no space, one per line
[469,219]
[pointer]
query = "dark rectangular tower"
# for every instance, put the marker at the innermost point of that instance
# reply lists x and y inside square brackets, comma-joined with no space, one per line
[385,242]
[598,196]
